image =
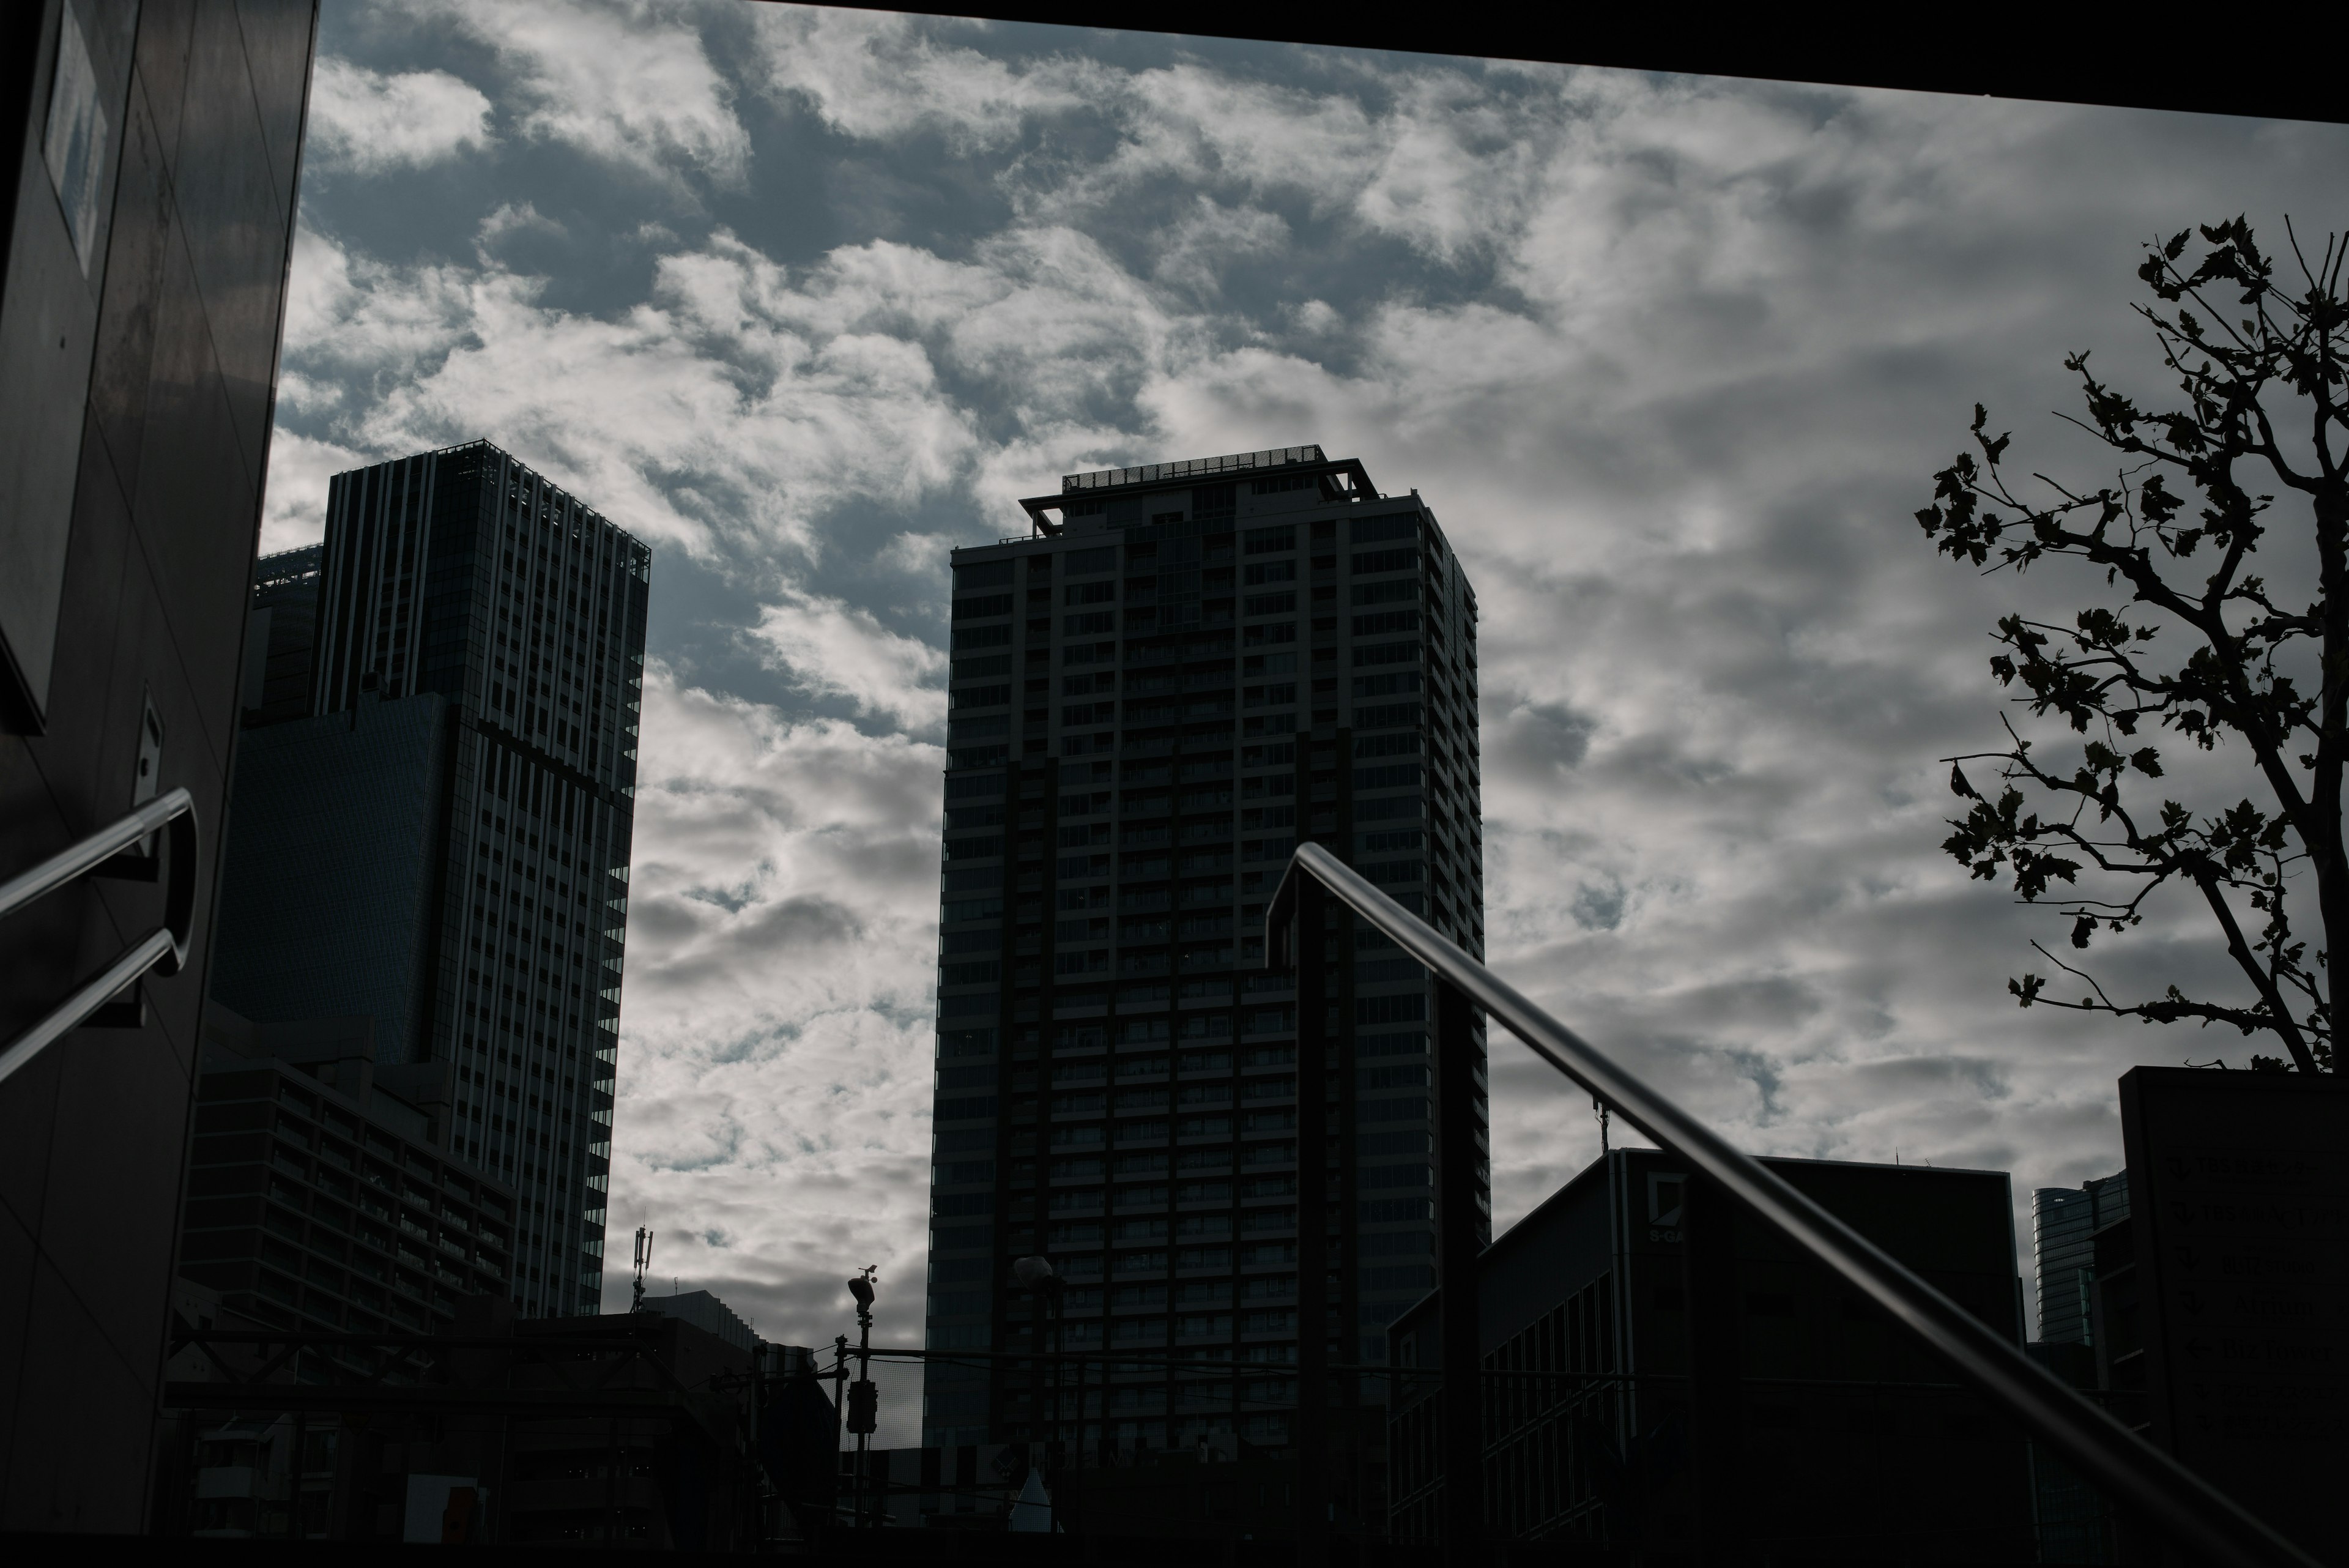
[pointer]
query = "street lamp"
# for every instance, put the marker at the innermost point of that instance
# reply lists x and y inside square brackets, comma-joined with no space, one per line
[864,1399]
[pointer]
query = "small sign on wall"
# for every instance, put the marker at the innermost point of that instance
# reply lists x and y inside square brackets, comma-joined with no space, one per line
[443,1510]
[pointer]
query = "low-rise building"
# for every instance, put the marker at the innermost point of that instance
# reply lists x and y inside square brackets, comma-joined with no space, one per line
[1849,1438]
[960,1486]
[322,1189]
[638,1431]
[706,1311]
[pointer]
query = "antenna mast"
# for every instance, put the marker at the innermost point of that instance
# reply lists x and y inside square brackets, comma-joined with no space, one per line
[644,1261]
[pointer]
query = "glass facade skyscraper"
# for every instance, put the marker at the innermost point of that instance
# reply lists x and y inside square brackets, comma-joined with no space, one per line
[2063,1224]
[1181,671]
[475,682]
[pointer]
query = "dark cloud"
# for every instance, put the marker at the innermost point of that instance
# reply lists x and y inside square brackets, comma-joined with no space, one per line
[1537,735]
[1599,908]
[805,922]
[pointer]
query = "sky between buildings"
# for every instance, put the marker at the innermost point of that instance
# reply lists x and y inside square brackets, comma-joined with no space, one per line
[806,298]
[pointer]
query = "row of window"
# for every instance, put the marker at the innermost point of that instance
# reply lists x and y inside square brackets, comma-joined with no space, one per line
[1278,539]
[1213,605]
[502,1090]
[1141,1033]
[1367,1077]
[1145,1102]
[346,1268]
[1137,1332]
[364,1211]
[1146,590]
[345,1146]
[1192,1194]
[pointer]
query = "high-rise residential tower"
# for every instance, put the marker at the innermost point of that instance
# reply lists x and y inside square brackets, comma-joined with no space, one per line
[442,844]
[1185,667]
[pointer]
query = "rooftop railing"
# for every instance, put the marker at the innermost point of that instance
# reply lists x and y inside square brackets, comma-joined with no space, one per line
[1190,468]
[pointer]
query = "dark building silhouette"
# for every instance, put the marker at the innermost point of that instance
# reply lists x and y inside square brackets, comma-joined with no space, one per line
[366,792]
[2221,1331]
[442,843]
[639,1431]
[152,155]
[321,1191]
[280,634]
[1187,667]
[1852,1443]
[979,1487]
[707,1312]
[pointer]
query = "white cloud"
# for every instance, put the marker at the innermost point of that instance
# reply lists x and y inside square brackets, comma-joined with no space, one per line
[366,122]
[1211,237]
[704,412]
[923,555]
[628,83]
[367,327]
[294,505]
[880,75]
[1672,360]
[743,401]
[512,218]
[775,1029]
[831,649]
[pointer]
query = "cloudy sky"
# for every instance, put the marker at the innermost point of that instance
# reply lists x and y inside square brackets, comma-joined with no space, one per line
[807,297]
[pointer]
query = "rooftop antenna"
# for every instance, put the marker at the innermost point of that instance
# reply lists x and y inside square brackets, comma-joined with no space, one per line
[644,1261]
[1601,1107]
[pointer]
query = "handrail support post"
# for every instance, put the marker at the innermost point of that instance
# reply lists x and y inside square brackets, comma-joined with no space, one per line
[1459,1231]
[1709,1292]
[1310,1441]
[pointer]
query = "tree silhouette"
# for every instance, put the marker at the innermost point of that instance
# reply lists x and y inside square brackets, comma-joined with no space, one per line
[2173,537]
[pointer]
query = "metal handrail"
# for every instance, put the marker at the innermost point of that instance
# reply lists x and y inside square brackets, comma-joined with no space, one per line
[163,950]
[2128,1469]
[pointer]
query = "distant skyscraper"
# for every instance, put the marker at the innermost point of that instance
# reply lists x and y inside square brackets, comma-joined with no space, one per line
[2063,1219]
[443,844]
[280,633]
[1186,666]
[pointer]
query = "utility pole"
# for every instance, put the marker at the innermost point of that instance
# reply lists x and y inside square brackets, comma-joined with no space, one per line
[840,1403]
[864,1399]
